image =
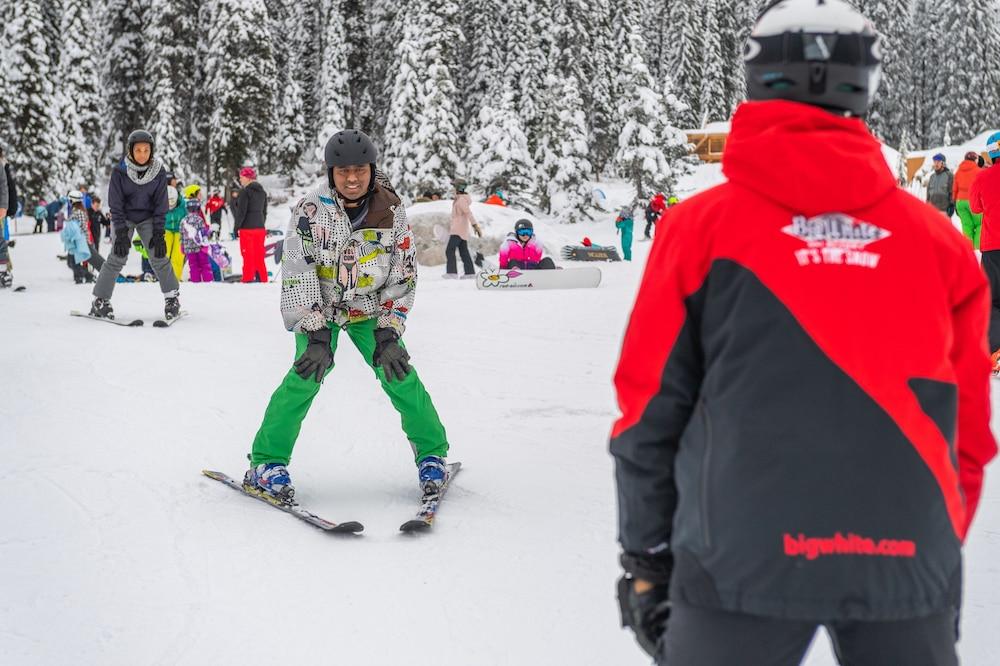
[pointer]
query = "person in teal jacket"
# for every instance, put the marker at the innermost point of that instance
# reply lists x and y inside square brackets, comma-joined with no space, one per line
[624,223]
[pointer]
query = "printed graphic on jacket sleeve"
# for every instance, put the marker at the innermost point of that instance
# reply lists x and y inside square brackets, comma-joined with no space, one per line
[836,239]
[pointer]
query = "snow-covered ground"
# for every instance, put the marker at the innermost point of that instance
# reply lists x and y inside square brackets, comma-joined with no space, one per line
[116,551]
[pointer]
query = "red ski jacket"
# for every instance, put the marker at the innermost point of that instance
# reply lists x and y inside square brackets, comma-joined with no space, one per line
[804,384]
[984,197]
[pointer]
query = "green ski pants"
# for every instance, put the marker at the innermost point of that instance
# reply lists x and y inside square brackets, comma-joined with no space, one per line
[972,224]
[290,404]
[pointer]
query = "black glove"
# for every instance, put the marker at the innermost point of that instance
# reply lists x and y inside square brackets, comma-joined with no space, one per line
[646,614]
[391,355]
[317,358]
[951,210]
[122,242]
[157,244]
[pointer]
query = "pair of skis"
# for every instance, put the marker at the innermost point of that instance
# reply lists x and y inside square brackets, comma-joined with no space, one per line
[159,323]
[423,521]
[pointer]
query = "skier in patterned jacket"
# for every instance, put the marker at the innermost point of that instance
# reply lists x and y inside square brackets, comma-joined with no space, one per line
[348,265]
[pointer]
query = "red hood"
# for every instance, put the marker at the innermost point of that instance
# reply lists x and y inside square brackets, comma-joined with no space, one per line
[806,159]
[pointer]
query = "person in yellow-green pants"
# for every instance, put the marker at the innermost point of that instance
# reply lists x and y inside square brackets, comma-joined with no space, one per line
[348,264]
[965,175]
[172,226]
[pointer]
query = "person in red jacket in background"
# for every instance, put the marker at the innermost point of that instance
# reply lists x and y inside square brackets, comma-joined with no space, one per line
[803,384]
[984,199]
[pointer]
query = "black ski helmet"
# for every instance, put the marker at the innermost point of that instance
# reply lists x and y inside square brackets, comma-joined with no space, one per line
[819,52]
[140,136]
[524,223]
[349,147]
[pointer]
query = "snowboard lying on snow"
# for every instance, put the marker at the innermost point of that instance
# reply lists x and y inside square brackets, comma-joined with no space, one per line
[592,253]
[565,278]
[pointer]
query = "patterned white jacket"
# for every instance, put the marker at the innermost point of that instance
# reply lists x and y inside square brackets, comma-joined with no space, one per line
[331,273]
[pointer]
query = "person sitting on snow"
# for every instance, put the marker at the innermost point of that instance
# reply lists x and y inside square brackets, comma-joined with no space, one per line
[496,199]
[522,250]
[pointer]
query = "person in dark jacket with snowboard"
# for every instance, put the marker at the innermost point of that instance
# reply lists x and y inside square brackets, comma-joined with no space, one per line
[789,453]
[250,213]
[137,197]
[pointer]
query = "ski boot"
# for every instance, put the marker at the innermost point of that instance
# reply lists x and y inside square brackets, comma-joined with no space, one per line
[432,473]
[102,308]
[171,307]
[271,479]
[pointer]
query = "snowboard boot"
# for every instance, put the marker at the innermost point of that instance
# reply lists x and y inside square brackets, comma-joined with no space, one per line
[468,276]
[171,307]
[102,308]
[450,276]
[432,473]
[271,479]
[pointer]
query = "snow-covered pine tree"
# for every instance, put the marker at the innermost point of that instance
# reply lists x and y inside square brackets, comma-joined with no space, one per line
[288,140]
[243,85]
[304,51]
[361,112]
[716,98]
[532,27]
[640,157]
[333,86]
[673,141]
[686,58]
[564,171]
[890,112]
[422,145]
[487,25]
[387,29]
[498,150]
[966,89]
[30,122]
[655,30]
[399,150]
[170,63]
[925,62]
[601,58]
[78,74]
[124,73]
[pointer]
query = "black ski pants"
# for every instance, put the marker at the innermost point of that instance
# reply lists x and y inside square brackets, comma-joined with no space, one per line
[545,264]
[462,245]
[706,637]
[991,266]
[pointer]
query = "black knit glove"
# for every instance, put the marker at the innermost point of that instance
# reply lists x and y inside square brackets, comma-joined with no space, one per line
[317,359]
[157,244]
[122,242]
[646,614]
[390,355]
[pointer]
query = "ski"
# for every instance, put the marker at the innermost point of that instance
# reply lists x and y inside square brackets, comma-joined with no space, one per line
[164,323]
[429,504]
[351,527]
[134,322]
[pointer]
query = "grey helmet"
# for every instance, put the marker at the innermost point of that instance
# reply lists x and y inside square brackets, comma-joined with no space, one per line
[819,52]
[139,136]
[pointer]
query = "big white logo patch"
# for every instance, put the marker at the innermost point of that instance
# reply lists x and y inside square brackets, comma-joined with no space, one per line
[835,239]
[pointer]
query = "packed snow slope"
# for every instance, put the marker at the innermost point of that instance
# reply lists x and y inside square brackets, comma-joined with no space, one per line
[117,551]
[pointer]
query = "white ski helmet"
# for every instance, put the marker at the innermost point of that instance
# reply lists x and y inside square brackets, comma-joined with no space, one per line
[172,196]
[820,52]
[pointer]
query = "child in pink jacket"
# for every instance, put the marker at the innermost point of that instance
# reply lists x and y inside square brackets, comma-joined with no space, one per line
[522,249]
